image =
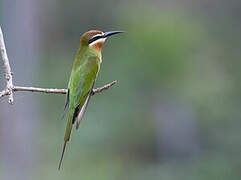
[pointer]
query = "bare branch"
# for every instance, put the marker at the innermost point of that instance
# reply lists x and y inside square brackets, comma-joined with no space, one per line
[7,69]
[4,93]
[10,88]
[43,90]
[54,91]
[107,86]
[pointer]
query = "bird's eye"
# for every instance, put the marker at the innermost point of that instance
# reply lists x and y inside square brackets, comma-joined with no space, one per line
[94,38]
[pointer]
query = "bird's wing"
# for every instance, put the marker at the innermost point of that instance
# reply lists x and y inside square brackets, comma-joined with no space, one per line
[80,96]
[82,110]
[66,104]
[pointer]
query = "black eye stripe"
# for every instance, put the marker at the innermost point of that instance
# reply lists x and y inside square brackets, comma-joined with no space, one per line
[94,39]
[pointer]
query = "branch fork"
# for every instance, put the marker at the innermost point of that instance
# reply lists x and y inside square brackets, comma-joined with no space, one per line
[10,88]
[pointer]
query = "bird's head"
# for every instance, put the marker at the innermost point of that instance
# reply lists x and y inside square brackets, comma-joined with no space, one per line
[96,38]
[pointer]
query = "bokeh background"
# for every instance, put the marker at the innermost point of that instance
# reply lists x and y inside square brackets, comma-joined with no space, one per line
[175,113]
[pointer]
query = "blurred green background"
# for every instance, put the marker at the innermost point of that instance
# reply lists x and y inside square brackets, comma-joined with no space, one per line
[173,115]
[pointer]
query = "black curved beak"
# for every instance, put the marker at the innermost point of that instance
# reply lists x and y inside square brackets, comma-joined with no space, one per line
[106,34]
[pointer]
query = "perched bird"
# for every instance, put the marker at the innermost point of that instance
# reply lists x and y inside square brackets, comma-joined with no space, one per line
[82,79]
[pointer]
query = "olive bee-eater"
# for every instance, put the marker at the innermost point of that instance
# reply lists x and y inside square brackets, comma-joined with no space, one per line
[82,79]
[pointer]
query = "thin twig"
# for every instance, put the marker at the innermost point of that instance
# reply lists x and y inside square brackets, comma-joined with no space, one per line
[7,69]
[56,91]
[107,86]
[10,88]
[43,90]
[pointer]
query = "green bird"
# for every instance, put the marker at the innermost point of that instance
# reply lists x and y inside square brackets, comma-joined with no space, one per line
[82,79]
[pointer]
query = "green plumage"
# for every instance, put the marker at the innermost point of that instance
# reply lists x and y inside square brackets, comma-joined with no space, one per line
[83,75]
[85,68]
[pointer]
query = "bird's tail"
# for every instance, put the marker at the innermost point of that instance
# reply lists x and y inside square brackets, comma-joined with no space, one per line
[62,155]
[66,137]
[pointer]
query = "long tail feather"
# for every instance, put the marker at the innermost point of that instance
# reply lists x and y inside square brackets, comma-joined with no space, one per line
[62,155]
